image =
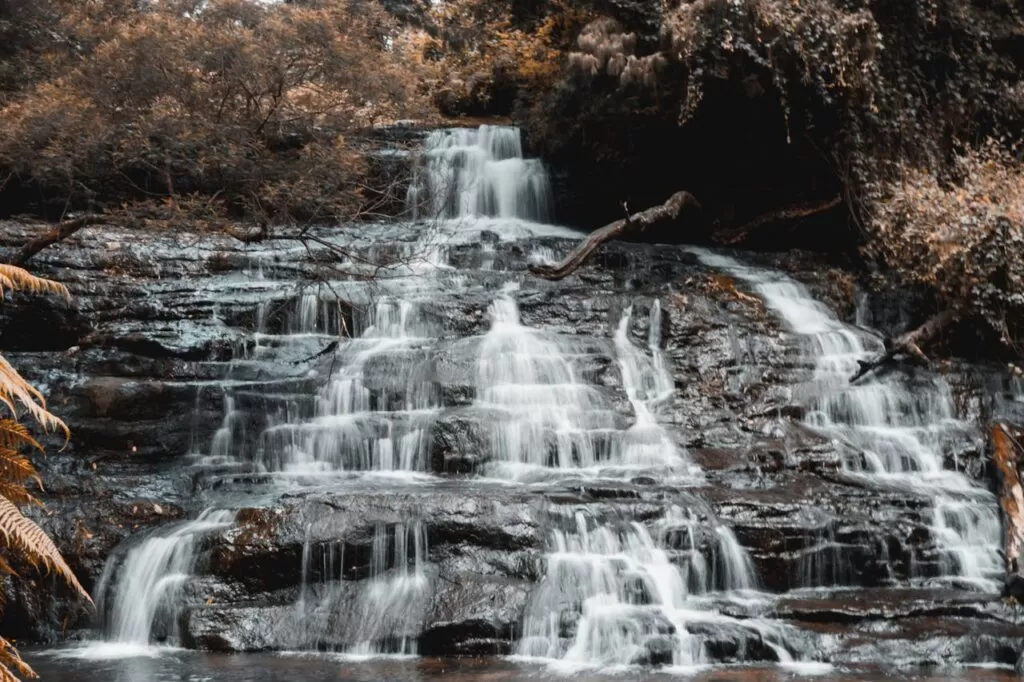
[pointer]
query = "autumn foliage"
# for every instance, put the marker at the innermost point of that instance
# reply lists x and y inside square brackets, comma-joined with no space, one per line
[239,108]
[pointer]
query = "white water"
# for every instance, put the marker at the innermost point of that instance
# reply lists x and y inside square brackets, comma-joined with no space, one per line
[358,425]
[380,615]
[479,173]
[613,595]
[892,430]
[148,590]
[547,416]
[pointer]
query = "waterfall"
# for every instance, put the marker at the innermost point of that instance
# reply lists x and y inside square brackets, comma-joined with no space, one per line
[647,384]
[374,413]
[614,595]
[479,173]
[891,428]
[547,416]
[147,593]
[379,615]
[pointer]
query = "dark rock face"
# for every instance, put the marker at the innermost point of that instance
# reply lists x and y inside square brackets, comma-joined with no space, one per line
[171,349]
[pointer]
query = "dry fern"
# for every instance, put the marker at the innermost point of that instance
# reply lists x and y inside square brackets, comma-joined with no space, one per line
[18,533]
[22,535]
[11,663]
[13,278]
[15,389]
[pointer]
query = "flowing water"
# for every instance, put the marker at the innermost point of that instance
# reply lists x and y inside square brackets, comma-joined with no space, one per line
[444,392]
[893,430]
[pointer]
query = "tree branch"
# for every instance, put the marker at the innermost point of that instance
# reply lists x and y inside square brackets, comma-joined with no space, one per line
[638,222]
[60,232]
[736,234]
[908,344]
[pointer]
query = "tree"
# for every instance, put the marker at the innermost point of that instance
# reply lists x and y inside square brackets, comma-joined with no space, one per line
[20,537]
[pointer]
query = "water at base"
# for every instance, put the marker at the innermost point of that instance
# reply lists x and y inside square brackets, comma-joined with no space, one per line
[202,667]
[892,429]
[147,592]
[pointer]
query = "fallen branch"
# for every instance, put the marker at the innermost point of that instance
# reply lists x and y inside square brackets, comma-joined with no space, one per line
[638,222]
[907,345]
[329,348]
[736,234]
[58,233]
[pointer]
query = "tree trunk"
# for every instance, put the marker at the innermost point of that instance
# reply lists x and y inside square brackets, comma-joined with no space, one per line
[638,222]
[908,344]
[60,232]
[1006,452]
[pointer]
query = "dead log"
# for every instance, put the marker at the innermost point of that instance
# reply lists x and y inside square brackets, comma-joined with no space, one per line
[638,222]
[58,233]
[1006,454]
[907,345]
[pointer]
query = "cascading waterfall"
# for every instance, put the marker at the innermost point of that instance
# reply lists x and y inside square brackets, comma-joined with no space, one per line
[379,615]
[547,416]
[615,591]
[479,173]
[147,593]
[360,425]
[647,384]
[614,595]
[891,428]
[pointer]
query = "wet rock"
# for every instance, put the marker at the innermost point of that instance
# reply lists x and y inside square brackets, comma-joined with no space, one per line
[731,642]
[236,629]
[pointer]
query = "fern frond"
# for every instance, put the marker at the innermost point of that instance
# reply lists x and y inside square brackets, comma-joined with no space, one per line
[13,278]
[21,534]
[16,493]
[11,664]
[14,389]
[15,435]
[17,468]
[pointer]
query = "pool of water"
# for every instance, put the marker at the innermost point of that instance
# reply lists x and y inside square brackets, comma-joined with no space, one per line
[188,666]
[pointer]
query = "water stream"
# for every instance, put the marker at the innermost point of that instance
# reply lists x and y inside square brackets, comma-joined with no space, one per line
[892,429]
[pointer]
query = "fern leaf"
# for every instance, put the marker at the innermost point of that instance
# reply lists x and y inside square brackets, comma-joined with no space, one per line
[17,468]
[13,278]
[17,494]
[15,435]
[11,664]
[21,534]
[14,390]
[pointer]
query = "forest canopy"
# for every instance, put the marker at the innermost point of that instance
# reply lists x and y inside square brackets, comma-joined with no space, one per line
[901,119]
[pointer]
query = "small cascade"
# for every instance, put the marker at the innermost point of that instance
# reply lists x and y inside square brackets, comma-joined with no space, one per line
[614,595]
[647,384]
[546,415]
[382,614]
[147,584]
[374,413]
[479,173]
[892,428]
